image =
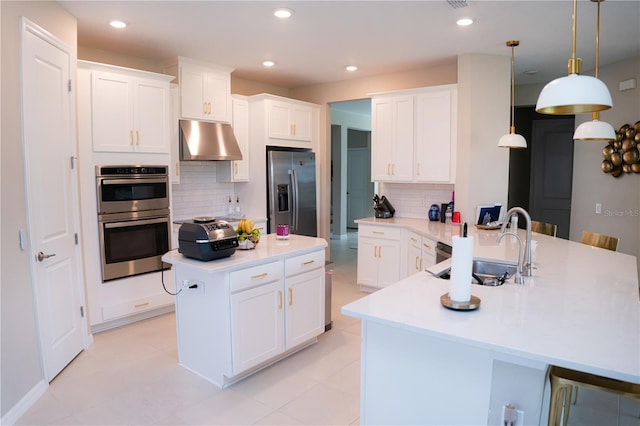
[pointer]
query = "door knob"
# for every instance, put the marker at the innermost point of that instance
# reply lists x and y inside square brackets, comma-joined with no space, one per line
[41,256]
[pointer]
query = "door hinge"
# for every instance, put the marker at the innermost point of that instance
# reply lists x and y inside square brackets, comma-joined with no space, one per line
[82,311]
[69,86]
[75,236]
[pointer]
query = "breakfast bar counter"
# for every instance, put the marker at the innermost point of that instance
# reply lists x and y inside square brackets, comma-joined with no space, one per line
[423,363]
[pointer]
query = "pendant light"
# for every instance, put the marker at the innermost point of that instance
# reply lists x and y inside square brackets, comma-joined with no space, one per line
[512,139]
[595,130]
[574,94]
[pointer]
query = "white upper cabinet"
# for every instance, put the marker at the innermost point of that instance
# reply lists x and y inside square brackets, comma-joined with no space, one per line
[289,120]
[436,112]
[414,135]
[130,109]
[392,138]
[205,90]
[238,170]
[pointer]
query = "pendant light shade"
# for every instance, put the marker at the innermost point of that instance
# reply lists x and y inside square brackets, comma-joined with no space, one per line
[512,139]
[574,94]
[595,130]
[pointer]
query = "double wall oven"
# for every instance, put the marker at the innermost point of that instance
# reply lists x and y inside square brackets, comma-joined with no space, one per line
[133,217]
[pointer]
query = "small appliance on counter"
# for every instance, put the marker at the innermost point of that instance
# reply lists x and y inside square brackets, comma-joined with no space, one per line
[382,207]
[207,238]
[434,212]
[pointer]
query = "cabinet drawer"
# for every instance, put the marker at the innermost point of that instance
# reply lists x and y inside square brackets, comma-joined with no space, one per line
[131,307]
[304,263]
[388,233]
[255,276]
[429,246]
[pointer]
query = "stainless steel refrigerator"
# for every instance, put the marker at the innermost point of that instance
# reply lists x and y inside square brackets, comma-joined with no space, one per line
[291,191]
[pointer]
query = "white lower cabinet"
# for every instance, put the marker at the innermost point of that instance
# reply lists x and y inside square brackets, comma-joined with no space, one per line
[378,256]
[279,314]
[256,316]
[421,252]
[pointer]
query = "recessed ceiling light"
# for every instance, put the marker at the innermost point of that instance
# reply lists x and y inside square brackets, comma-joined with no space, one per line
[268,64]
[464,22]
[118,24]
[351,68]
[283,13]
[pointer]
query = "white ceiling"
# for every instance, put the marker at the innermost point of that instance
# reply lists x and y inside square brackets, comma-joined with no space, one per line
[379,37]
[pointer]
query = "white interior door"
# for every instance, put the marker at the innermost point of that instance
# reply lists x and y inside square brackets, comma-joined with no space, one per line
[49,146]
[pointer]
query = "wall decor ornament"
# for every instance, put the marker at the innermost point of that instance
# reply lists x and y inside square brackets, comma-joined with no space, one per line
[621,155]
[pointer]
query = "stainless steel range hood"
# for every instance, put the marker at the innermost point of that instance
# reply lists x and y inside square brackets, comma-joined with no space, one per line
[206,141]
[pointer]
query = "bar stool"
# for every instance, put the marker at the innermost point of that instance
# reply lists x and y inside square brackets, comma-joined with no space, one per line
[544,228]
[562,382]
[600,240]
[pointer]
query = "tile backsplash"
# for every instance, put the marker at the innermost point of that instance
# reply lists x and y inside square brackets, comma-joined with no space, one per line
[199,193]
[414,199]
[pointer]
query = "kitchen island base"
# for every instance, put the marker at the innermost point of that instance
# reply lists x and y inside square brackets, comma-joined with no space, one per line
[408,377]
[240,314]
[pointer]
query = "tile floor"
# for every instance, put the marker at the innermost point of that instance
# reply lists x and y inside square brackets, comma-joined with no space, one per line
[130,376]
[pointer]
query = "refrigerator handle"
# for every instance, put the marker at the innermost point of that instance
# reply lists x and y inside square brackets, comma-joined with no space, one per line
[294,201]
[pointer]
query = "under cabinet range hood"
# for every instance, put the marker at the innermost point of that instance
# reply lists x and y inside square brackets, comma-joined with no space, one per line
[207,141]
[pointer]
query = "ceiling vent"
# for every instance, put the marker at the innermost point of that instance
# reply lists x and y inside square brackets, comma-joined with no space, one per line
[457,4]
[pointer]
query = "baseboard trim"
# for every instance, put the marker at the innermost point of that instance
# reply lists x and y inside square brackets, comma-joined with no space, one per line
[108,325]
[27,401]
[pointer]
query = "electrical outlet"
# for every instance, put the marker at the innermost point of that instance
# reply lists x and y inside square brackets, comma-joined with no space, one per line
[192,284]
[598,208]
[511,416]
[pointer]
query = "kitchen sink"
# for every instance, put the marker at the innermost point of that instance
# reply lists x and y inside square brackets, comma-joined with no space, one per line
[488,272]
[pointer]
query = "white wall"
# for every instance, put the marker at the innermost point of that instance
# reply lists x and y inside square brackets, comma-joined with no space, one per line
[482,170]
[21,371]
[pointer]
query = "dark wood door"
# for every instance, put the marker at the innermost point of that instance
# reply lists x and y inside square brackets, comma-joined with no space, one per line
[551,172]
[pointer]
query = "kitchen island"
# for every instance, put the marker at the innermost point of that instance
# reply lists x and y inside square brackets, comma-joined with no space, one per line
[425,364]
[239,314]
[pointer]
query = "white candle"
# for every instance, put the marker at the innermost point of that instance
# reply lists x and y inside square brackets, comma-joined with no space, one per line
[461,269]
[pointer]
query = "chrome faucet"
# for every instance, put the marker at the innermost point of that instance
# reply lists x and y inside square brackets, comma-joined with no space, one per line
[518,277]
[527,267]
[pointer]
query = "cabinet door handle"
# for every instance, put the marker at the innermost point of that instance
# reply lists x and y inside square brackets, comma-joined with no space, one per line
[393,169]
[279,300]
[379,251]
[204,107]
[140,305]
[131,136]
[418,171]
[426,245]
[389,169]
[210,108]
[290,296]
[378,232]
[137,137]
[294,129]
[177,168]
[262,275]
[417,263]
[235,168]
[308,262]
[415,240]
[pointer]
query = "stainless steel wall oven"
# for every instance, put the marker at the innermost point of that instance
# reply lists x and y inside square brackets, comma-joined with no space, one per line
[133,217]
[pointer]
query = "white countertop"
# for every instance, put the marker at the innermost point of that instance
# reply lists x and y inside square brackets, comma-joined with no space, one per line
[579,310]
[268,249]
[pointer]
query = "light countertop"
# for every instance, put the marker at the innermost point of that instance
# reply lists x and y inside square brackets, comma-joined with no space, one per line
[579,310]
[268,249]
